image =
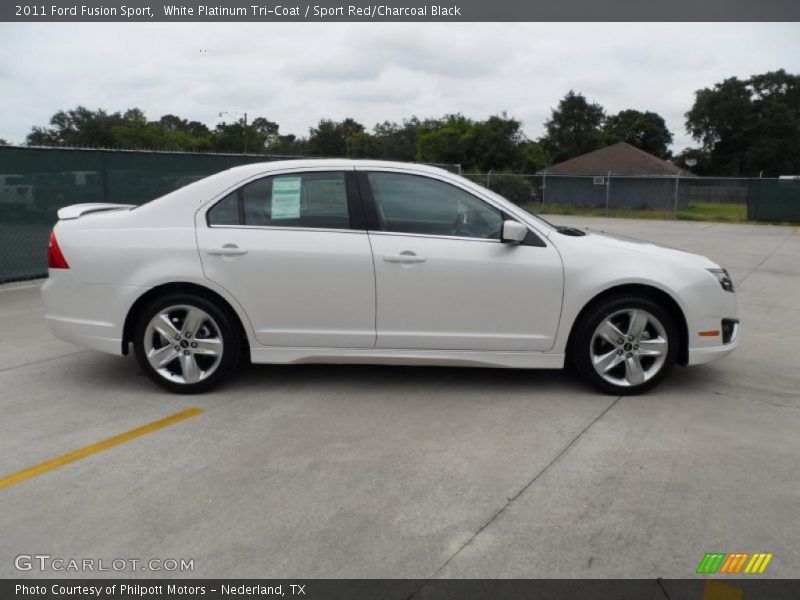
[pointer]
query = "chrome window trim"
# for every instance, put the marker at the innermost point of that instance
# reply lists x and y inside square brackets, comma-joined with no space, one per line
[293,228]
[361,231]
[433,236]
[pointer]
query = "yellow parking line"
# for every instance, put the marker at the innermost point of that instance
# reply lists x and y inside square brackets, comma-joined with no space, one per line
[65,459]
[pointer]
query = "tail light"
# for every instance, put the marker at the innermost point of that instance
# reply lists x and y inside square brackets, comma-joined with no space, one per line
[55,258]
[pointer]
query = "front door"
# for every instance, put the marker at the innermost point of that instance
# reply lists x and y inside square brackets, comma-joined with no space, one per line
[444,280]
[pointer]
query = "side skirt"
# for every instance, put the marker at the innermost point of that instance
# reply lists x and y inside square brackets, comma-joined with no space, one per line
[378,356]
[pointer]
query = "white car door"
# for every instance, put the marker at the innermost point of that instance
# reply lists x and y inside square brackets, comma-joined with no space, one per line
[290,249]
[444,280]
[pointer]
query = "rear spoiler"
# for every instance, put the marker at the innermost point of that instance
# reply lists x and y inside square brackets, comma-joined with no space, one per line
[78,210]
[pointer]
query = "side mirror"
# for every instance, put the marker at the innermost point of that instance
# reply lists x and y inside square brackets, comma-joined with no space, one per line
[513,232]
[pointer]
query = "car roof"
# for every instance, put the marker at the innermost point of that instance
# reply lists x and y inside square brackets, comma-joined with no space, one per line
[333,163]
[174,205]
[177,206]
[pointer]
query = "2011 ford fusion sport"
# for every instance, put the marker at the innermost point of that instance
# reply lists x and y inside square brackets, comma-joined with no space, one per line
[374,262]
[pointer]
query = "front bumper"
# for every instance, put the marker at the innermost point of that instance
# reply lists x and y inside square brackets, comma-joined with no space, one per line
[701,356]
[712,321]
[728,335]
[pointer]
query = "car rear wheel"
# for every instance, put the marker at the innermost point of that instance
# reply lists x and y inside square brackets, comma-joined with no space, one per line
[625,345]
[186,343]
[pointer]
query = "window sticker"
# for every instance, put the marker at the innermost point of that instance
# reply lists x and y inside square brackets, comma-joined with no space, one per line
[285,198]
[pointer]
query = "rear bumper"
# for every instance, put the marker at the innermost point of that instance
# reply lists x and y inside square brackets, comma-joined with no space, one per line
[91,316]
[87,334]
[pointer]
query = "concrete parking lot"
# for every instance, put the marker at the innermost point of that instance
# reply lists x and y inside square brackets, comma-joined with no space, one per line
[402,472]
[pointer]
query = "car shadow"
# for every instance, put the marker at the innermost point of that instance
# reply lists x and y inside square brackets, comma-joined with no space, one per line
[102,373]
[404,377]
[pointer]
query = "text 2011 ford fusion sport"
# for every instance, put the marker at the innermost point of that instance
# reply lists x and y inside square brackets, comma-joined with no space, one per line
[374,262]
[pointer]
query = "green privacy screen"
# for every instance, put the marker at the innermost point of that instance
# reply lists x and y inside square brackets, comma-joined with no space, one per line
[774,200]
[36,182]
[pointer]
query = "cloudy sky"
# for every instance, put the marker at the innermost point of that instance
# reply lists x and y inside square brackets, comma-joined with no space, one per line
[296,74]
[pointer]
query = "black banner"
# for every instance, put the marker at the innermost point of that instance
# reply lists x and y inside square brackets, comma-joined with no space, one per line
[397,10]
[405,589]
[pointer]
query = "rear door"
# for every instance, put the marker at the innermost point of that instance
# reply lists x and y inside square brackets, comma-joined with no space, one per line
[445,280]
[292,249]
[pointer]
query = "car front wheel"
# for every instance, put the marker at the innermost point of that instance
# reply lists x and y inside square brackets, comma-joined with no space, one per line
[625,345]
[186,343]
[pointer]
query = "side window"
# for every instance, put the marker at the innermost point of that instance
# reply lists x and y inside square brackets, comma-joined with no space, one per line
[422,205]
[317,200]
[225,212]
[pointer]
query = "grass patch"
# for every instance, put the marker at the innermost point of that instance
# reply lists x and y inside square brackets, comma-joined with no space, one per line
[732,213]
[726,213]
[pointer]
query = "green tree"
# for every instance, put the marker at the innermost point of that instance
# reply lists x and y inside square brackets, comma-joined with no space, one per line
[749,126]
[176,124]
[387,141]
[333,138]
[645,130]
[700,158]
[444,140]
[132,130]
[82,127]
[253,138]
[182,134]
[575,127]
[77,127]
[494,144]
[533,158]
[4,142]
[288,145]
[512,187]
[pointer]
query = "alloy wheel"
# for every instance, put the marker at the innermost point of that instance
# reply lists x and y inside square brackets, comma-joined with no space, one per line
[183,344]
[629,347]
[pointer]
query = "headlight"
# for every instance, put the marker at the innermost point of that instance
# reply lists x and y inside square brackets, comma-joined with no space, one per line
[724,279]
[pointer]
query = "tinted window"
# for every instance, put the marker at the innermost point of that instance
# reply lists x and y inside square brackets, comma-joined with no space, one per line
[225,212]
[294,200]
[415,204]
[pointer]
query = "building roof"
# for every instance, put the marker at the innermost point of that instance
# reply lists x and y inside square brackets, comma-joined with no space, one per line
[618,159]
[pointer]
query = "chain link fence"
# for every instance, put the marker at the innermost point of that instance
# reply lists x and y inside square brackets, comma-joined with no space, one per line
[36,182]
[756,199]
[774,200]
[644,192]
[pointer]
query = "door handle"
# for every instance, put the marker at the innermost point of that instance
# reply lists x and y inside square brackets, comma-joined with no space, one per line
[404,257]
[227,250]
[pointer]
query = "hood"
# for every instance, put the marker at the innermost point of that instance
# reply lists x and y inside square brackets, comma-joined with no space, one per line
[638,246]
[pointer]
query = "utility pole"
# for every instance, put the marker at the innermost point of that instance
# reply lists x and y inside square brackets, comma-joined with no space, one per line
[544,185]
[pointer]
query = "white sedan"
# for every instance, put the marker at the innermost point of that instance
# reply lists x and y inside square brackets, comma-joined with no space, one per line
[374,262]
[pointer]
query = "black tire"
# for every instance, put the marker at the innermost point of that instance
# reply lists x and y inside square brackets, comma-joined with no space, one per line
[221,325]
[583,344]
